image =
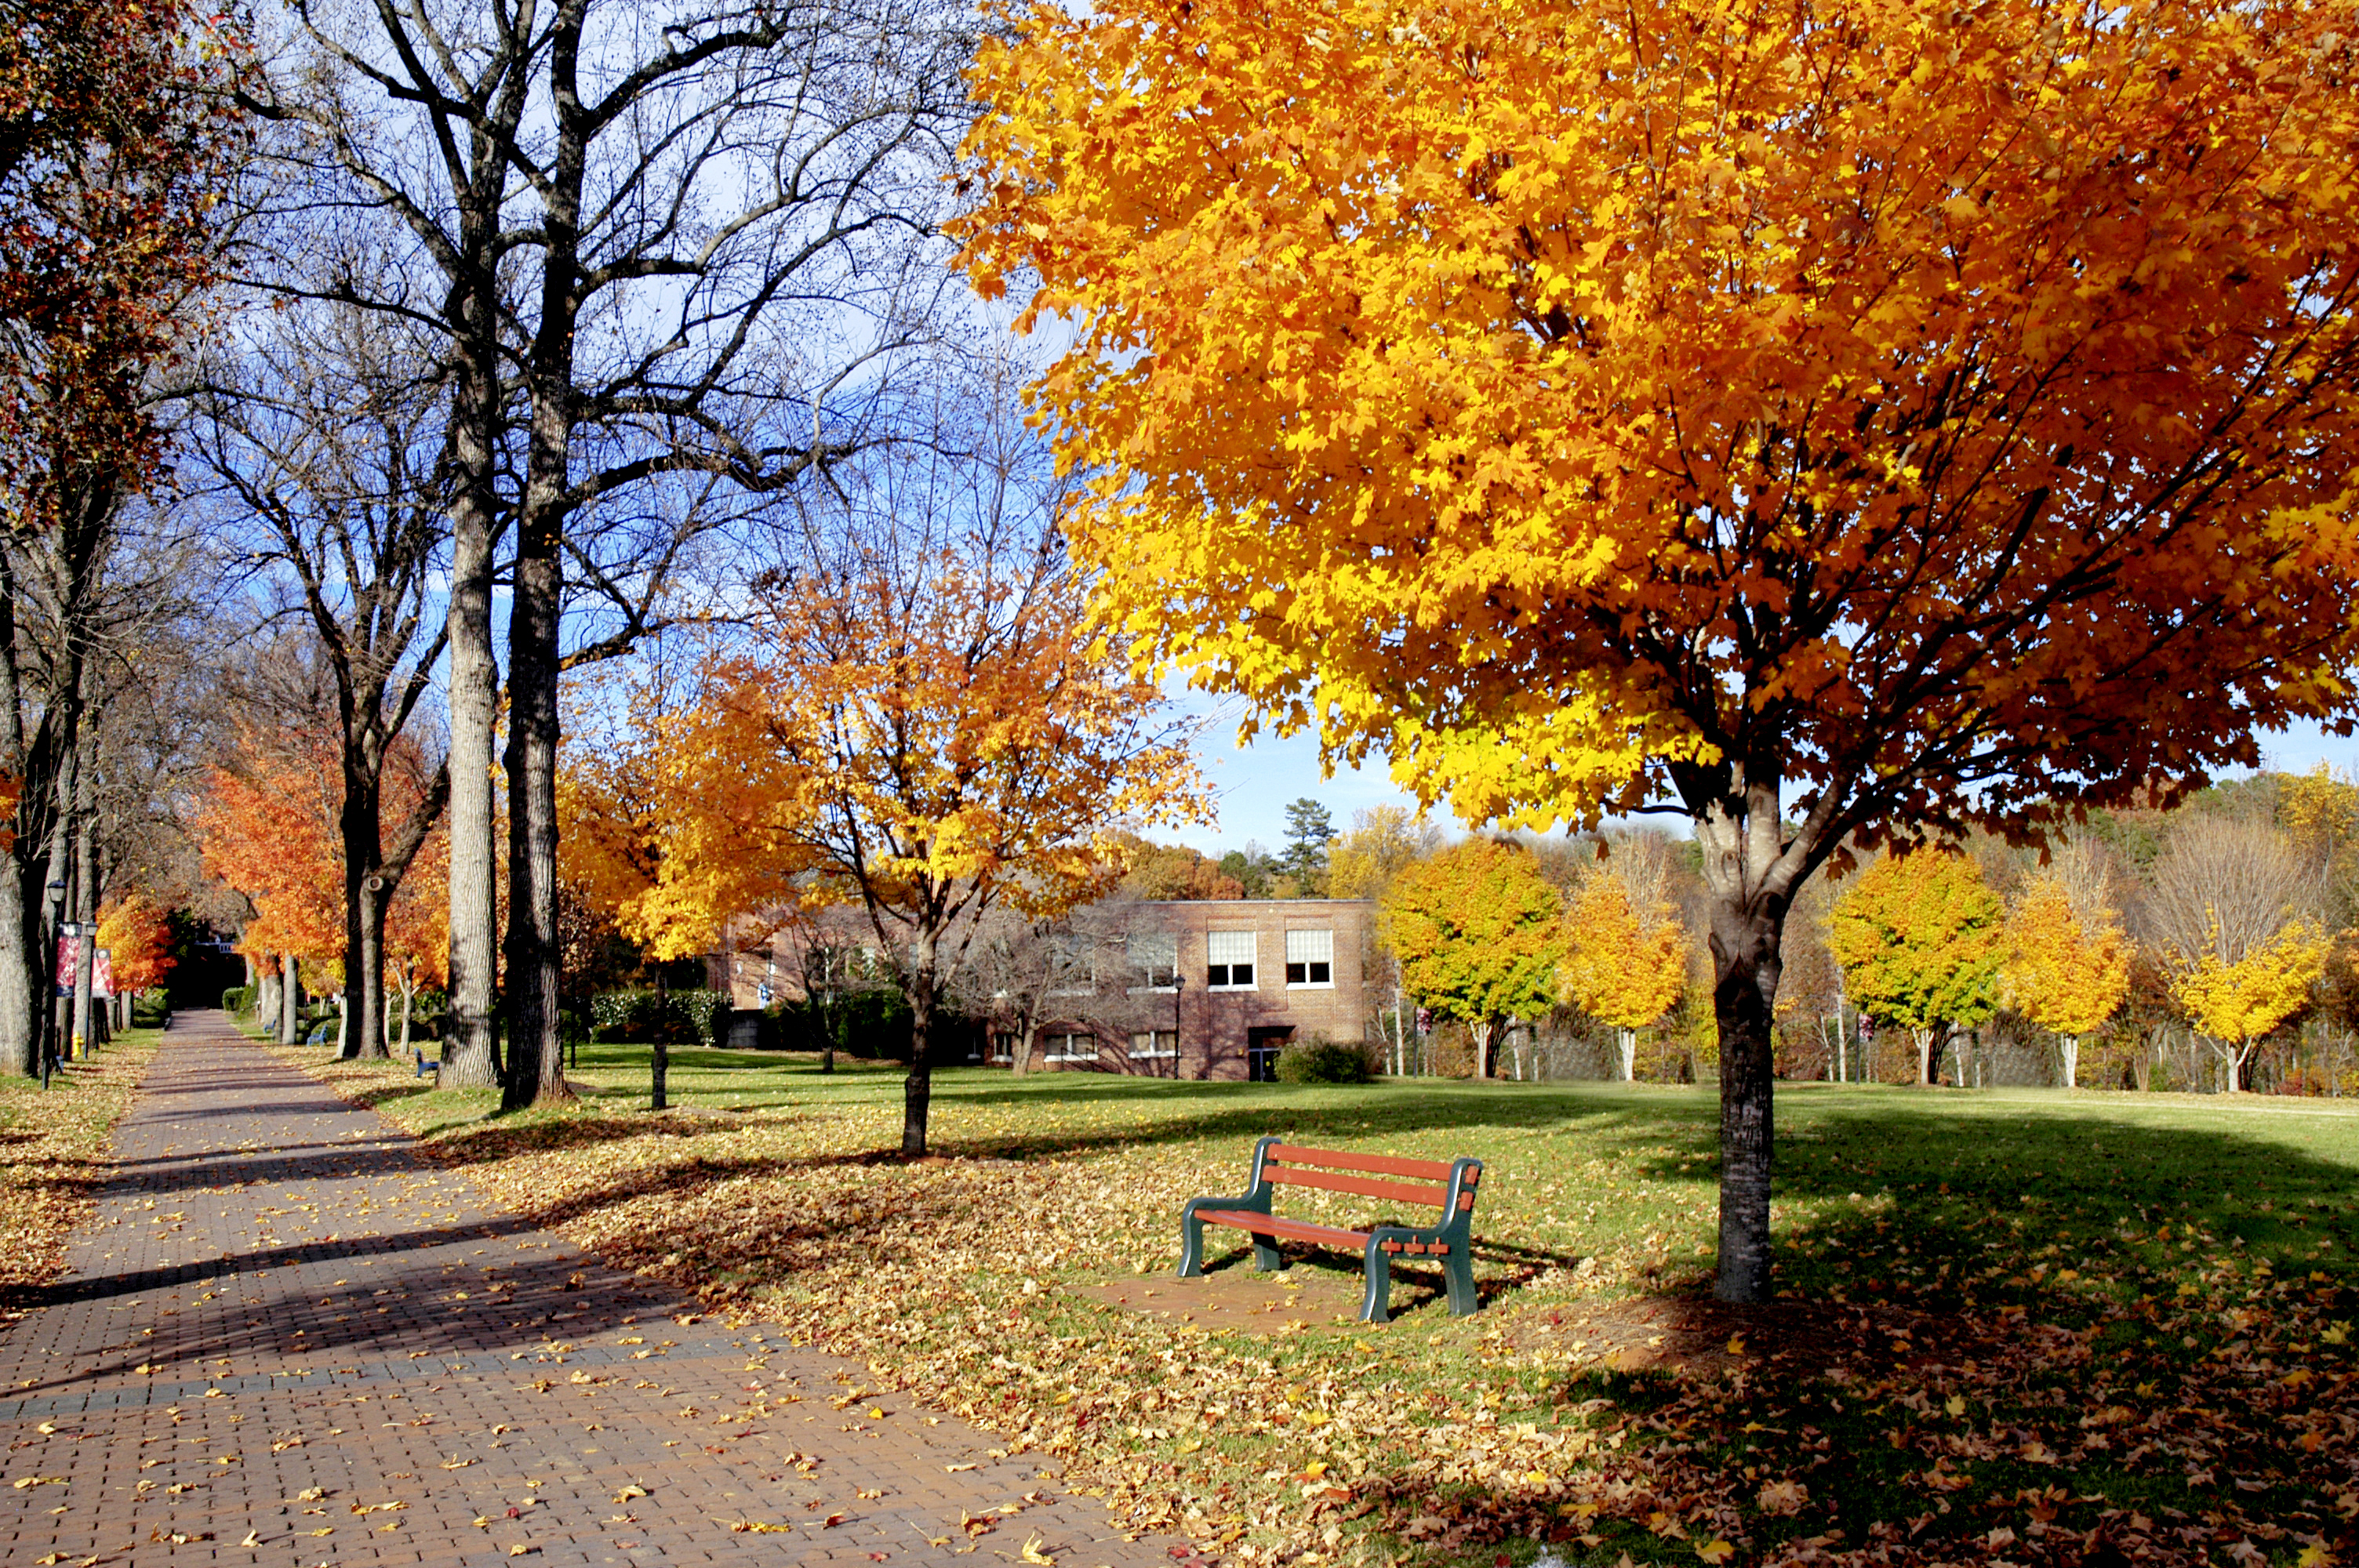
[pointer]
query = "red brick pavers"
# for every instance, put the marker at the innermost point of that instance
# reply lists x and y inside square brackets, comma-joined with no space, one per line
[285,1327]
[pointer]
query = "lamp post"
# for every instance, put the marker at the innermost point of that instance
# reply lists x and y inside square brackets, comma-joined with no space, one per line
[49,1039]
[1178,984]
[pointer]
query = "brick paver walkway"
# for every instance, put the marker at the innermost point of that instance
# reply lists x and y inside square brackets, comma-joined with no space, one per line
[288,1339]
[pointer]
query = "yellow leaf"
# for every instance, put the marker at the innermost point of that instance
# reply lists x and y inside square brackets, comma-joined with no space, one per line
[1716,1550]
[1032,1553]
[1955,1405]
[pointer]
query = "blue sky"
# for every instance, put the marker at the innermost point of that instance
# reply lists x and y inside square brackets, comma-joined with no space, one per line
[1257,783]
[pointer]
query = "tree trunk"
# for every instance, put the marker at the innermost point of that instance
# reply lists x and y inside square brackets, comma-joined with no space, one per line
[360,825]
[536,1059]
[659,1048]
[59,1013]
[1924,1038]
[290,999]
[1747,965]
[2072,1046]
[1482,1033]
[918,1092]
[1628,1039]
[470,1050]
[85,914]
[19,927]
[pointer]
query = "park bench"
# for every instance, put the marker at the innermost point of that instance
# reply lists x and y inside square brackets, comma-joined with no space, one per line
[427,1065]
[1447,1188]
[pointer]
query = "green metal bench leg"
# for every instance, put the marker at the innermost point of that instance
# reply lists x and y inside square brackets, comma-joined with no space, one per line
[1191,1247]
[1377,1264]
[1458,1270]
[1267,1257]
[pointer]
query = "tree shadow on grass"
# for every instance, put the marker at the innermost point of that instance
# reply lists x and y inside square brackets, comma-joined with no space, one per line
[2071,1325]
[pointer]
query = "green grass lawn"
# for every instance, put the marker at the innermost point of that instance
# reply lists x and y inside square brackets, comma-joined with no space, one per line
[2017,1325]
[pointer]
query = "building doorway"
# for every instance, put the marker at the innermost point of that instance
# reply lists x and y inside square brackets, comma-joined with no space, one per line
[1262,1046]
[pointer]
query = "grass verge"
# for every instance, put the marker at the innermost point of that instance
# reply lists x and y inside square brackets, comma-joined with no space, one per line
[2013,1326]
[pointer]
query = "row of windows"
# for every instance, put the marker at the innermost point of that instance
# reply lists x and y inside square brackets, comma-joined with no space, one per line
[1231,960]
[1146,1045]
[1232,955]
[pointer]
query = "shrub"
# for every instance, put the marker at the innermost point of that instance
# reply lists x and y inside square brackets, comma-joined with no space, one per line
[237,999]
[701,1009]
[151,1010]
[1322,1060]
[642,1016]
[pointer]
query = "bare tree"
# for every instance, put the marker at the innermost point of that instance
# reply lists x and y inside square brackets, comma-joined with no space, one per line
[664,240]
[322,438]
[2222,885]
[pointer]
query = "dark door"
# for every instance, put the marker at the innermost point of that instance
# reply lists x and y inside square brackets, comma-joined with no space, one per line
[1262,1046]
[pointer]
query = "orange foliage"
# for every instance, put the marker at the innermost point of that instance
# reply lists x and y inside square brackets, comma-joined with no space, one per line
[1584,403]
[267,824]
[924,754]
[138,940]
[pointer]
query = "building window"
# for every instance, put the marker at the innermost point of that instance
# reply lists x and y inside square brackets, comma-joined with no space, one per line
[1071,1047]
[1231,960]
[1310,959]
[1155,957]
[1153,1044]
[1003,1047]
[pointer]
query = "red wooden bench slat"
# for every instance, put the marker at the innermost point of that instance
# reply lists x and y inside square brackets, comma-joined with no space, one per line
[1293,1229]
[1365,1187]
[1374,1164]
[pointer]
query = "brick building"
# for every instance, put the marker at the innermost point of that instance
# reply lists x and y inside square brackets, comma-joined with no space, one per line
[1191,989]
[1202,989]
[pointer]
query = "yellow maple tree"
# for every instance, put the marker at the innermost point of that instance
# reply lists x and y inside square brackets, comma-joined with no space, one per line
[1623,965]
[2236,999]
[1807,420]
[2065,972]
[1919,938]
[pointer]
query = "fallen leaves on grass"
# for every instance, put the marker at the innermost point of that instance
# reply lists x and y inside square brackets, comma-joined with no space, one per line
[57,1154]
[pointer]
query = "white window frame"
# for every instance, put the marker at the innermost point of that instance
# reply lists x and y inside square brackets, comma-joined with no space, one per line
[1218,942]
[1170,942]
[1069,1053]
[1154,1053]
[1004,1045]
[1310,982]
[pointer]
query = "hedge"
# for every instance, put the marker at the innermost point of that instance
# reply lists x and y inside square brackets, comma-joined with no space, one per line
[237,999]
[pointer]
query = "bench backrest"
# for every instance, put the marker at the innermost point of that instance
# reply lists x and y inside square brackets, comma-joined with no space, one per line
[1445,1187]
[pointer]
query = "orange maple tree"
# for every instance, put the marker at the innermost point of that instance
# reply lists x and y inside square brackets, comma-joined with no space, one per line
[137,939]
[267,824]
[923,741]
[1803,419]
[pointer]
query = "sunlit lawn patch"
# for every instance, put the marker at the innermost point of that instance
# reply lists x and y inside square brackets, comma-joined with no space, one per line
[2017,1325]
[53,1147]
